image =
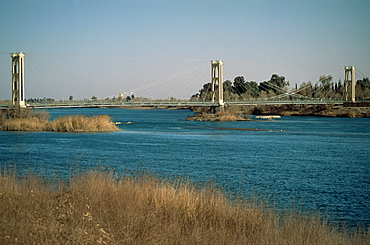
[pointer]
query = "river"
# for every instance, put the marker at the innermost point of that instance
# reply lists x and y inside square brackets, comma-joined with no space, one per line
[315,163]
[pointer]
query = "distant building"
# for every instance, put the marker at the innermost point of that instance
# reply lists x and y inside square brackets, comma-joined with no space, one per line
[126,96]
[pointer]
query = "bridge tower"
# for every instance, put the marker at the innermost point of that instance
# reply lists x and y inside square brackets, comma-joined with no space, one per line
[18,95]
[349,72]
[217,78]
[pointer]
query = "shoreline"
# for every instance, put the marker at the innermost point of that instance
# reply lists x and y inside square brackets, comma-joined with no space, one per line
[349,111]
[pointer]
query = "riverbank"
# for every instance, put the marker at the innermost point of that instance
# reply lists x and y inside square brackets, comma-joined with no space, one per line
[97,208]
[321,110]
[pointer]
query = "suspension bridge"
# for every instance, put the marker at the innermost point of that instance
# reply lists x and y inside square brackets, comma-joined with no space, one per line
[216,96]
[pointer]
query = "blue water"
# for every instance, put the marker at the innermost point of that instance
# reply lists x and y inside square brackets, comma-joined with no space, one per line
[319,164]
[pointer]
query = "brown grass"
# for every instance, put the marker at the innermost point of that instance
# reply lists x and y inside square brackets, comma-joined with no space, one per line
[80,123]
[27,120]
[24,124]
[226,116]
[96,208]
[219,116]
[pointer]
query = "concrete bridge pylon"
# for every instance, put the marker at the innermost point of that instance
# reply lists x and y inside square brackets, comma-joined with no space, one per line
[350,84]
[217,82]
[18,93]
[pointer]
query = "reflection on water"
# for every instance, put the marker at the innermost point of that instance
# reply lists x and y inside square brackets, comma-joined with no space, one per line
[317,163]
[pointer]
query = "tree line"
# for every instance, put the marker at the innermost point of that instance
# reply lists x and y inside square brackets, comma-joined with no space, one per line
[38,100]
[325,88]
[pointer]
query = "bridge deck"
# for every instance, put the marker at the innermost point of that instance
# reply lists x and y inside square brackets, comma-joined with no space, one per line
[171,103]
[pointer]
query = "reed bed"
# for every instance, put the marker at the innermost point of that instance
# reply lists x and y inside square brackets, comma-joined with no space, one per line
[24,124]
[27,120]
[99,208]
[80,123]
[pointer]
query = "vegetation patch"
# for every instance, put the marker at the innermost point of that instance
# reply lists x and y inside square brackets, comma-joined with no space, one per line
[226,115]
[277,88]
[99,208]
[286,110]
[28,120]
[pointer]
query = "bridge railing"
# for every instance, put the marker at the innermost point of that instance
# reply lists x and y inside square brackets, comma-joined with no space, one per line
[174,103]
[111,103]
[283,101]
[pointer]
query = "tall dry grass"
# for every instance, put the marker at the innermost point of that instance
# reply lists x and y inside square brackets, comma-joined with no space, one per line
[24,124]
[28,120]
[97,208]
[230,115]
[80,123]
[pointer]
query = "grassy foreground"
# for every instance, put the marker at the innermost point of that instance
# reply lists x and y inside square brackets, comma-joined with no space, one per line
[97,208]
[28,120]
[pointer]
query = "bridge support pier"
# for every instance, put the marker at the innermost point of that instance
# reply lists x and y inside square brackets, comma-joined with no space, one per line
[350,85]
[18,95]
[217,79]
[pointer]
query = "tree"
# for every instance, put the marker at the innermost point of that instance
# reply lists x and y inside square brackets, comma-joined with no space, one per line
[264,87]
[70,97]
[239,85]
[228,90]
[276,85]
[326,81]
[363,88]
[204,92]
[252,89]
[306,89]
[94,98]
[364,83]
[324,88]
[227,85]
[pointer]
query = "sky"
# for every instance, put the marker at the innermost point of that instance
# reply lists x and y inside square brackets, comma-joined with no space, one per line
[163,49]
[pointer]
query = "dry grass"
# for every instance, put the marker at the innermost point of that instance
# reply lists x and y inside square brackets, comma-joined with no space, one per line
[226,116]
[80,123]
[219,116]
[24,124]
[97,208]
[27,120]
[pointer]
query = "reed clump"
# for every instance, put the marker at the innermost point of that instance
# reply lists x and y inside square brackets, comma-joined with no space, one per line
[81,123]
[28,120]
[98,208]
[218,116]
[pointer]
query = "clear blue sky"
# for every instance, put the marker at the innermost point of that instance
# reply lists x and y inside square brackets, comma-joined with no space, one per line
[87,47]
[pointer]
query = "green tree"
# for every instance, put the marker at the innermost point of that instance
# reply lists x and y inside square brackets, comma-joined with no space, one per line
[204,93]
[363,88]
[326,81]
[279,84]
[239,85]
[264,87]
[227,85]
[276,85]
[364,83]
[252,89]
